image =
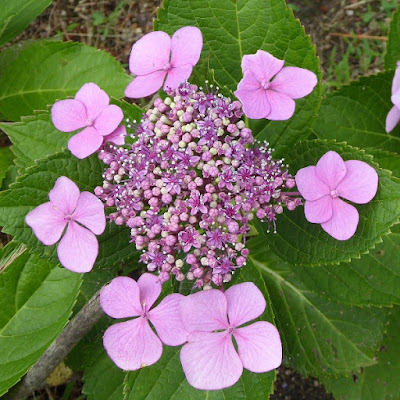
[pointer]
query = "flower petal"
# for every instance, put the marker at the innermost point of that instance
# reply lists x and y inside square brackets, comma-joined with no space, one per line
[259,346]
[309,185]
[150,289]
[204,311]
[392,119]
[318,211]
[47,223]
[282,106]
[121,298]
[167,321]
[177,75]
[64,195]
[186,45]
[68,115]
[132,344]
[255,103]
[145,85]
[150,53]
[360,183]
[94,99]
[263,65]
[249,82]
[117,136]
[396,80]
[245,302]
[331,169]
[90,213]
[294,82]
[210,361]
[85,143]
[108,120]
[344,221]
[78,249]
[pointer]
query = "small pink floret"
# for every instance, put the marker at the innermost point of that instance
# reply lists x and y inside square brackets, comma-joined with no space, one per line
[393,116]
[157,57]
[323,185]
[209,359]
[268,90]
[82,214]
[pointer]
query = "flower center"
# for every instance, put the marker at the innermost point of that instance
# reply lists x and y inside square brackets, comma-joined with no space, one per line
[231,329]
[167,66]
[89,122]
[68,217]
[265,83]
[334,193]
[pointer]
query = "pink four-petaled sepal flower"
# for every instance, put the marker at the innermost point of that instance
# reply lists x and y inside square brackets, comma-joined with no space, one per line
[267,89]
[91,110]
[209,359]
[157,55]
[393,116]
[133,344]
[323,185]
[82,214]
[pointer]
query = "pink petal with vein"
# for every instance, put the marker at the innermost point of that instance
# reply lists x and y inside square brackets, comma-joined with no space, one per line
[90,213]
[263,65]
[167,321]
[309,185]
[210,361]
[259,346]
[85,143]
[150,53]
[186,45]
[150,289]
[255,103]
[245,302]
[392,119]
[64,195]
[344,221]
[94,99]
[117,136]
[47,223]
[120,298]
[318,211]
[68,115]
[132,344]
[396,81]
[396,99]
[177,75]
[204,311]
[145,85]
[108,120]
[282,106]
[331,169]
[360,183]
[294,82]
[78,249]
[249,82]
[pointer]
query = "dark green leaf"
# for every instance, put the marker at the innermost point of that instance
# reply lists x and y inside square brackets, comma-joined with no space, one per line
[393,46]
[6,159]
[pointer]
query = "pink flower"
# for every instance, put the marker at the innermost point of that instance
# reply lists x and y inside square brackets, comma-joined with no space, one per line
[90,109]
[133,344]
[393,116]
[323,185]
[263,98]
[117,136]
[156,56]
[78,249]
[211,317]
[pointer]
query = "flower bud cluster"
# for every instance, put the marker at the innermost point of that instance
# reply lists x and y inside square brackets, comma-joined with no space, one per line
[190,184]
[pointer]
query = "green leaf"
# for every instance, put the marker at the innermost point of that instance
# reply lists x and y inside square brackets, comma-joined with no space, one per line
[33,189]
[232,29]
[166,380]
[36,299]
[320,337]
[47,71]
[6,159]
[300,242]
[393,45]
[380,381]
[16,15]
[357,113]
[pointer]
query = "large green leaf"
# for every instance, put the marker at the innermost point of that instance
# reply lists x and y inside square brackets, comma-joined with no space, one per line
[33,189]
[379,382]
[6,159]
[357,113]
[36,299]
[46,71]
[320,337]
[15,16]
[300,242]
[393,46]
[232,29]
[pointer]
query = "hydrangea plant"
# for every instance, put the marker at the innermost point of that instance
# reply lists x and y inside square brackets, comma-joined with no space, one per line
[215,222]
